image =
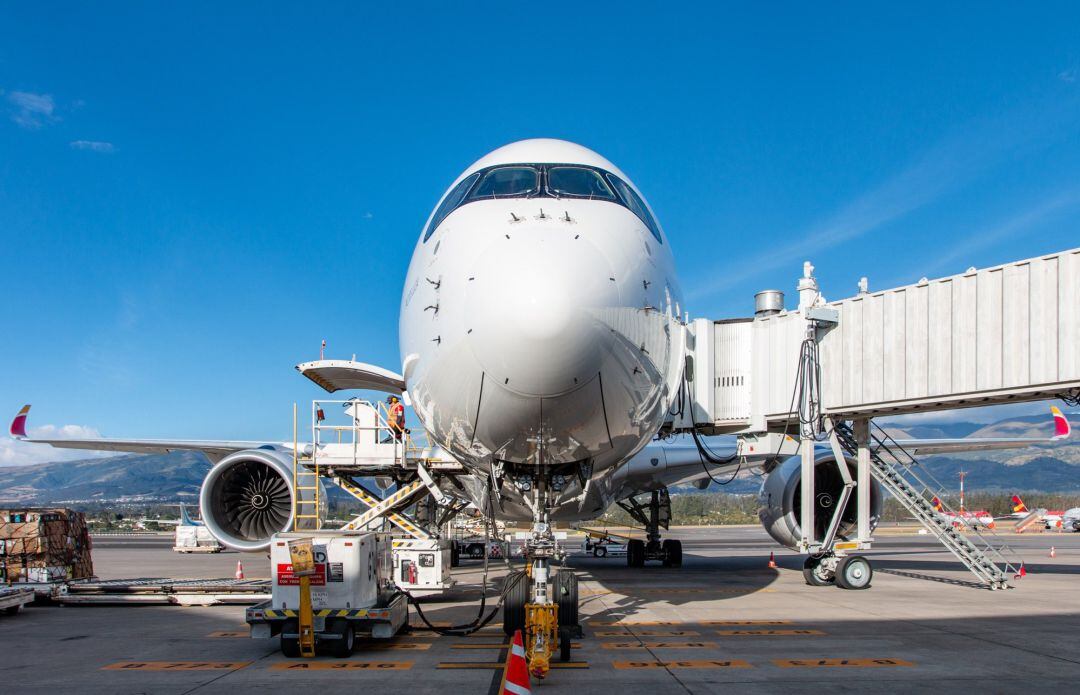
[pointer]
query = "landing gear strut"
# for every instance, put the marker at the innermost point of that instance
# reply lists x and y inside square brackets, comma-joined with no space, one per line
[539,601]
[653,515]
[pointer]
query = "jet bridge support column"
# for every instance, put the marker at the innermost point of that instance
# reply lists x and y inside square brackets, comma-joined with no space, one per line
[862,480]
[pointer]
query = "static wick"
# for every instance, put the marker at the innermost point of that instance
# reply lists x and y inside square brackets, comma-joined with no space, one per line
[322,350]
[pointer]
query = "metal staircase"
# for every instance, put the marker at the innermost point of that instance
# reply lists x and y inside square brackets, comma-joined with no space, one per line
[900,473]
[307,494]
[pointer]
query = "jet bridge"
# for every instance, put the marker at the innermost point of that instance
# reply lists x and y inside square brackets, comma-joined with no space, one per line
[1010,333]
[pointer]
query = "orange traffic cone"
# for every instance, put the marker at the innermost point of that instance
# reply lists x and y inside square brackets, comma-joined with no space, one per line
[1022,573]
[516,675]
[772,561]
[239,569]
[1053,553]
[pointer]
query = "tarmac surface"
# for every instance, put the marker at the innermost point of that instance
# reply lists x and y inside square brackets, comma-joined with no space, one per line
[723,621]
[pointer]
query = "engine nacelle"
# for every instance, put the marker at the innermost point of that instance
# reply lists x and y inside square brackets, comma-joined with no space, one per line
[780,501]
[247,497]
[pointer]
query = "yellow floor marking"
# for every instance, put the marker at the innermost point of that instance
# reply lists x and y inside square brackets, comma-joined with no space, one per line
[728,663]
[378,647]
[646,633]
[342,666]
[658,645]
[745,622]
[740,633]
[176,665]
[849,663]
[498,664]
[230,633]
[436,623]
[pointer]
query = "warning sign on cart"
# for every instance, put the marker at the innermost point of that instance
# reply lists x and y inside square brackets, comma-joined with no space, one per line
[286,576]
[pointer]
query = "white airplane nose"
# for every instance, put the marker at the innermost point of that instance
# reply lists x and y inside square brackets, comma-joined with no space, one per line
[534,306]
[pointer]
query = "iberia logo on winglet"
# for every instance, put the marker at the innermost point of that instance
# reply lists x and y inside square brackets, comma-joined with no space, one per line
[18,425]
[1062,428]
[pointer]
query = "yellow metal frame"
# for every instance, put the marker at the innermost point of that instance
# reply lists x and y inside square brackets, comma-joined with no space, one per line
[541,636]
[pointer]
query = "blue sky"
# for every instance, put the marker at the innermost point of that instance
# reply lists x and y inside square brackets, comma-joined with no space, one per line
[192,197]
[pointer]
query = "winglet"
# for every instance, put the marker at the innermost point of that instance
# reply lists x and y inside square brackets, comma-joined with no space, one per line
[1018,504]
[18,425]
[1062,428]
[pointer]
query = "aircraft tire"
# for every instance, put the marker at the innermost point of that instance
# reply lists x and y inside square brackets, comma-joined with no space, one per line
[517,595]
[566,595]
[635,553]
[672,553]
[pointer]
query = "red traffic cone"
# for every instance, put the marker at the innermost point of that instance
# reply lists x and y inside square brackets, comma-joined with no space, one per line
[1053,553]
[516,675]
[239,569]
[772,561]
[1022,573]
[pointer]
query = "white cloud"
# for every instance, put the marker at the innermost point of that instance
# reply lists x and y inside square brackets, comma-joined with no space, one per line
[31,110]
[93,146]
[367,216]
[1067,75]
[14,452]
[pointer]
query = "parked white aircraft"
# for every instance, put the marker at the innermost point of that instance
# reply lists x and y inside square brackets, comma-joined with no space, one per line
[541,336]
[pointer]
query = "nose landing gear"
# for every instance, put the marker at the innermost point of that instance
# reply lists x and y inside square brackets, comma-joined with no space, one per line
[540,602]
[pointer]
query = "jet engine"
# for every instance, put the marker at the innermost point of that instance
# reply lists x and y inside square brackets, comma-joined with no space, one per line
[780,500]
[247,497]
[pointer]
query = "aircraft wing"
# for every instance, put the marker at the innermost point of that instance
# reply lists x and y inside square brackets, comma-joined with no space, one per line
[1062,430]
[215,450]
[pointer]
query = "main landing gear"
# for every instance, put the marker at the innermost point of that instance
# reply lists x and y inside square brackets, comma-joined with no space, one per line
[653,515]
[848,572]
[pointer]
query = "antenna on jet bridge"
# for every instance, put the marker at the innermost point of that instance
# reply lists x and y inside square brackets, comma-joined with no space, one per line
[322,350]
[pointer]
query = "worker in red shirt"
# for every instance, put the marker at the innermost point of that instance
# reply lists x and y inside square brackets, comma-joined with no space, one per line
[396,417]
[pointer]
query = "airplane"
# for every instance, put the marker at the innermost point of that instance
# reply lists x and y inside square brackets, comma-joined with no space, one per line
[541,339]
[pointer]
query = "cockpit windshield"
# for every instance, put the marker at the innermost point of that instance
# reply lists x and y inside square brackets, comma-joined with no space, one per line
[508,182]
[543,180]
[577,182]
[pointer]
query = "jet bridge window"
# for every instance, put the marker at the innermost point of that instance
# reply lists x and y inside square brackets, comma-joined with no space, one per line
[578,182]
[633,201]
[450,203]
[507,182]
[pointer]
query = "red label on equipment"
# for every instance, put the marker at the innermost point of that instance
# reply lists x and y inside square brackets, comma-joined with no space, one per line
[285,576]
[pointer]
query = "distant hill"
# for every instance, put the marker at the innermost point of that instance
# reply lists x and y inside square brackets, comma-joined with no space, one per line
[157,477]
[146,476]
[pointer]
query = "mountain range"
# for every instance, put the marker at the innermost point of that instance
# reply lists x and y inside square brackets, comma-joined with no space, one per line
[170,477]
